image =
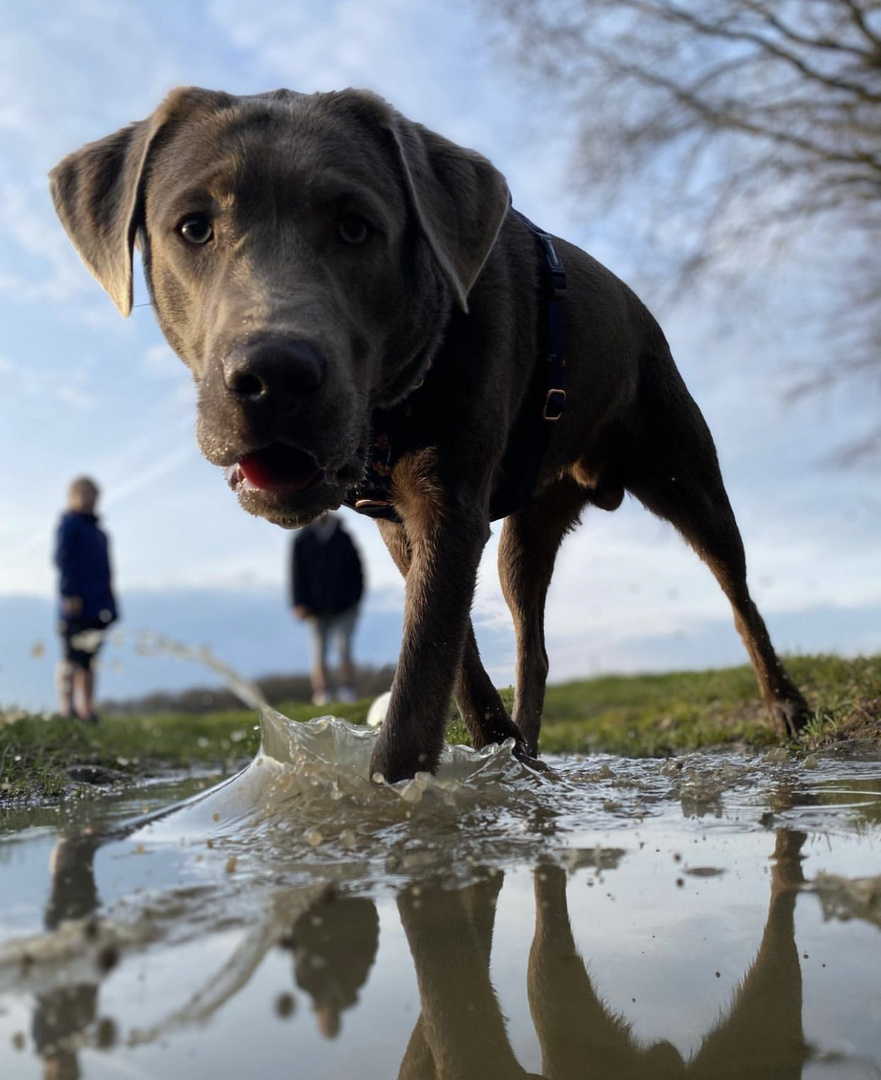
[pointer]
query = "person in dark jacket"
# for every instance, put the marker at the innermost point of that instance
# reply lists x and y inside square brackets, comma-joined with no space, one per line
[327,583]
[87,605]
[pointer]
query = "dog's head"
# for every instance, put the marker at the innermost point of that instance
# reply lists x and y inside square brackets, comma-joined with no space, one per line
[303,254]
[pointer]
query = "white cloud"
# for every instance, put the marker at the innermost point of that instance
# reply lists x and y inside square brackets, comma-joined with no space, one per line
[63,385]
[327,46]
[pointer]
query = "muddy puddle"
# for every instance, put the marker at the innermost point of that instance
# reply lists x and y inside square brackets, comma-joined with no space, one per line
[714,916]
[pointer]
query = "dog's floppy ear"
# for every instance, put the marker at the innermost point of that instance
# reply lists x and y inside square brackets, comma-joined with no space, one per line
[459,197]
[98,195]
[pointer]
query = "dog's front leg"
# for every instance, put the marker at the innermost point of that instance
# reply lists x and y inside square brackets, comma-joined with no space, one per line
[446,533]
[479,703]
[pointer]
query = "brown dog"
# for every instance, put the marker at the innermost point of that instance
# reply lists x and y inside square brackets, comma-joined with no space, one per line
[311,257]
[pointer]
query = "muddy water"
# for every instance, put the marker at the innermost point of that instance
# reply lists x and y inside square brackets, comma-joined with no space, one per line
[710,917]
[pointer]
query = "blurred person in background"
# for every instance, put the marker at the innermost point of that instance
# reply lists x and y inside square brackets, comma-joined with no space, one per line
[334,943]
[87,605]
[327,583]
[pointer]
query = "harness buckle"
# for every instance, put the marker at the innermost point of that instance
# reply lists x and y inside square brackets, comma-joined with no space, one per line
[554,404]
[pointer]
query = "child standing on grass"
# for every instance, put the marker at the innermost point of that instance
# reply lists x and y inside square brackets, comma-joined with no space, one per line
[87,603]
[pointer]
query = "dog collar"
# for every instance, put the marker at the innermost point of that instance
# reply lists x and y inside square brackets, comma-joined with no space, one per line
[528,440]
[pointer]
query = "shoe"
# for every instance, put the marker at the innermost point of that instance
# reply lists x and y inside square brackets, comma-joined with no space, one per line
[320,697]
[346,694]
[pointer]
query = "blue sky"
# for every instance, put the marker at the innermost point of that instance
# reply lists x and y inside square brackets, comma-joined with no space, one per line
[86,391]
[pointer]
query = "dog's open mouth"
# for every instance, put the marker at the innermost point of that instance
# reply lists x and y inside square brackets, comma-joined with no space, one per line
[277,469]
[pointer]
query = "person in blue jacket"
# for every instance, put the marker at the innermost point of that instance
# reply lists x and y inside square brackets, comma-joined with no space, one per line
[327,583]
[87,605]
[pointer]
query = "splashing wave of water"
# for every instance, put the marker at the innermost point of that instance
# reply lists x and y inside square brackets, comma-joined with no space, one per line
[308,793]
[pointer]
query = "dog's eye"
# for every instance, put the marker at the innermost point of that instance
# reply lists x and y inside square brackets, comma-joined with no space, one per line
[196,229]
[353,229]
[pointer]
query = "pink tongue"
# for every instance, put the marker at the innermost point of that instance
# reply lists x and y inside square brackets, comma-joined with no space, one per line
[279,470]
[254,469]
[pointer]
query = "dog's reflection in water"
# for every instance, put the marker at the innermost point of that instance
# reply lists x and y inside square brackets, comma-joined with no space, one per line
[461,1033]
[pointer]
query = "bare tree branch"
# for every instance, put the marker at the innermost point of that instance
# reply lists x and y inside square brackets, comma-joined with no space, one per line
[737,117]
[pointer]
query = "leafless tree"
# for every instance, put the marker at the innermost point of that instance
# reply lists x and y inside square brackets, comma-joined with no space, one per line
[737,119]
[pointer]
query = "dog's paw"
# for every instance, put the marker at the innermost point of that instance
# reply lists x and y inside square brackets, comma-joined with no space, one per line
[391,763]
[528,755]
[790,715]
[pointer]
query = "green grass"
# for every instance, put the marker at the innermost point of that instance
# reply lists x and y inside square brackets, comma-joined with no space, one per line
[36,754]
[640,715]
[651,715]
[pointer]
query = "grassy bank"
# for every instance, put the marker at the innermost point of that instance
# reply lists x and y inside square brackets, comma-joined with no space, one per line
[640,715]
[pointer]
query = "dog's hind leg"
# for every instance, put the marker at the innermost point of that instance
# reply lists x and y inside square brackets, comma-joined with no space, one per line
[674,472]
[477,699]
[479,703]
[528,548]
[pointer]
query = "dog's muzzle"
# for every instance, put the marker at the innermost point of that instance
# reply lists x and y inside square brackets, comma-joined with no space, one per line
[268,383]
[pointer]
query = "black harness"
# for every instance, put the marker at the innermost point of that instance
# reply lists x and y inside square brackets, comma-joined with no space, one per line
[529,437]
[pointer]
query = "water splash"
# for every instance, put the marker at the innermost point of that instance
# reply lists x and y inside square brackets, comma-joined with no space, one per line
[307,797]
[151,643]
[329,757]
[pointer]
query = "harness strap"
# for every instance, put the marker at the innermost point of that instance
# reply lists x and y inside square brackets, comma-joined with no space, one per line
[528,440]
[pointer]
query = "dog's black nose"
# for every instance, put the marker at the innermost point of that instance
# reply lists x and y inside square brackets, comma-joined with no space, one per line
[276,369]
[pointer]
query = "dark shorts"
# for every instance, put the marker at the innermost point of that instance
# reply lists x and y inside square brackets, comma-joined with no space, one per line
[82,640]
